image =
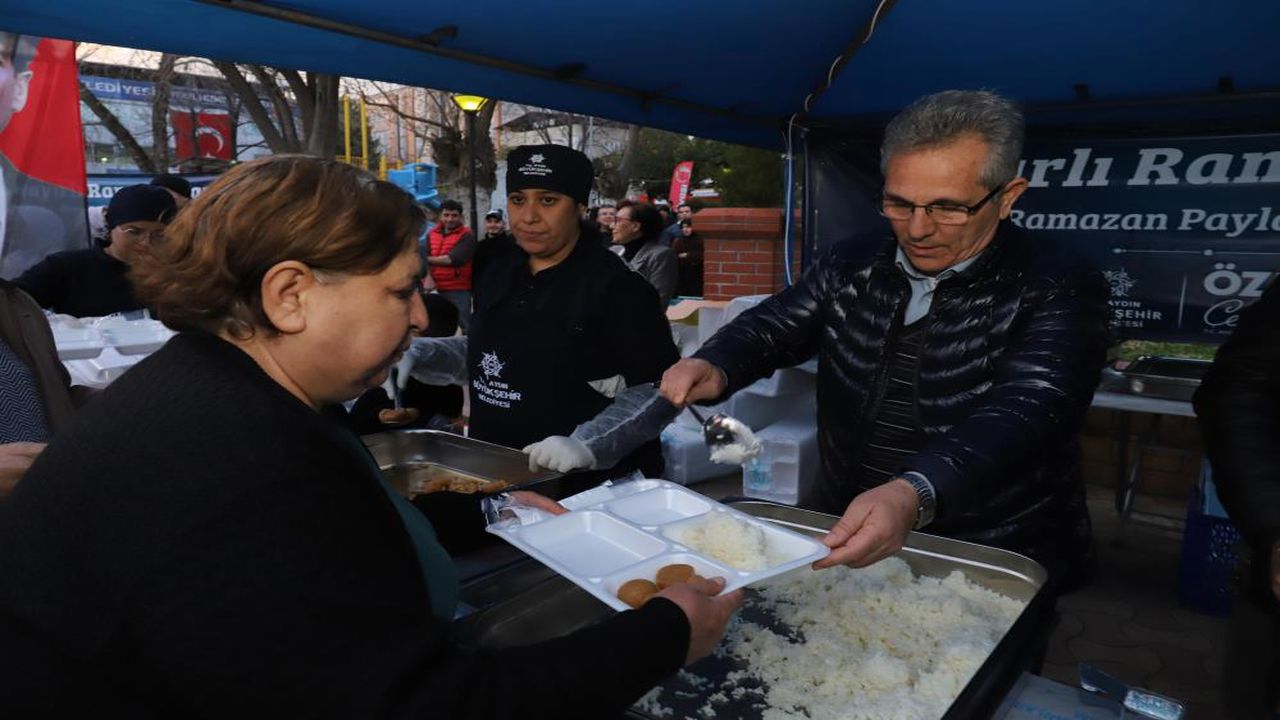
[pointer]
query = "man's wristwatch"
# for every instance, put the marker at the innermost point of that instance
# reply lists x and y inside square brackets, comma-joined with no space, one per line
[926,500]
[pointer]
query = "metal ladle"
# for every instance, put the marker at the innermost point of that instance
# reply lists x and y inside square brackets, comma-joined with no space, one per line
[715,430]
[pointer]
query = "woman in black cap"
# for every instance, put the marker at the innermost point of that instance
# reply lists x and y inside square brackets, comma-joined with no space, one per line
[560,326]
[92,282]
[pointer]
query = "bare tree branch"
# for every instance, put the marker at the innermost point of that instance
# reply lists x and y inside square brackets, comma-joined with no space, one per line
[117,129]
[323,139]
[303,96]
[160,112]
[404,114]
[275,140]
[284,116]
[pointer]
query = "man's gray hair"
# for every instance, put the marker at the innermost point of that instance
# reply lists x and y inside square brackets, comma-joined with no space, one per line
[944,117]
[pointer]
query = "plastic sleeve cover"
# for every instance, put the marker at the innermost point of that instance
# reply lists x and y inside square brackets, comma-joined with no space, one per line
[637,415]
[439,361]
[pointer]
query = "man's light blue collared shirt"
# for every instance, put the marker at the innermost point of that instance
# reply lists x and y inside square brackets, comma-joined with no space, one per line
[922,286]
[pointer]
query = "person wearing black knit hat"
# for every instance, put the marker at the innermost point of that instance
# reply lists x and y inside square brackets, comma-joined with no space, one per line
[561,324]
[93,282]
[179,188]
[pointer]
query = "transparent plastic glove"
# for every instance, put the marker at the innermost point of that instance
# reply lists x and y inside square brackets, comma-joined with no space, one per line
[435,361]
[637,415]
[559,453]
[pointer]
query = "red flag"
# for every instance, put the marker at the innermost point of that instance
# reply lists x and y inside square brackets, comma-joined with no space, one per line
[681,177]
[42,173]
[202,135]
[43,139]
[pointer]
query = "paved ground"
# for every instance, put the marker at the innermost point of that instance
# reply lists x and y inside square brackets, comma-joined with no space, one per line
[1129,622]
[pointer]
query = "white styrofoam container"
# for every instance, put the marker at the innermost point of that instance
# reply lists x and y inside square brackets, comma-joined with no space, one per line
[739,305]
[686,457]
[624,533]
[686,338]
[77,343]
[137,337]
[709,321]
[791,450]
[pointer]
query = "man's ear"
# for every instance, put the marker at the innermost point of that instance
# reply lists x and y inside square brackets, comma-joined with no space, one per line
[1010,195]
[284,288]
[21,88]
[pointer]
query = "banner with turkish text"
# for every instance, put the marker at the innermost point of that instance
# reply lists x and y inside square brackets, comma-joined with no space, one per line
[1186,230]
[42,170]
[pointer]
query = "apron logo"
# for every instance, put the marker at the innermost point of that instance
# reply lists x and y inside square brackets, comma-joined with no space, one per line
[491,365]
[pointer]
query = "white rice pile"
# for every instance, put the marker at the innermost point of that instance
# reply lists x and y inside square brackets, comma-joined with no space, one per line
[878,643]
[734,542]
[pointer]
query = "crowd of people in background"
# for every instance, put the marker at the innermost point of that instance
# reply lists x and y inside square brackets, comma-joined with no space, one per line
[632,234]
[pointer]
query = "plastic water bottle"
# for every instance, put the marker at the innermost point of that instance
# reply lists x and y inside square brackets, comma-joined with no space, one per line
[757,474]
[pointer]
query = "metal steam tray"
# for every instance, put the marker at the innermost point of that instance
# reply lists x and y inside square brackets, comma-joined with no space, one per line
[536,606]
[407,450]
[1165,377]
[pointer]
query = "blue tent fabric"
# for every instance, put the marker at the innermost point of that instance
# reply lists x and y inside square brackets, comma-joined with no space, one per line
[747,65]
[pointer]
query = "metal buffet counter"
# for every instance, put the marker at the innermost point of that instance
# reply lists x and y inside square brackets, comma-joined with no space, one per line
[526,602]
[509,599]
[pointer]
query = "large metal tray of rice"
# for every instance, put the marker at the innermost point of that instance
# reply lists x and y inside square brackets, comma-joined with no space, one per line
[966,672]
[941,630]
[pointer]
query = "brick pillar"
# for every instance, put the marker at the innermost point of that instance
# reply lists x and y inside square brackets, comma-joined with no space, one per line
[743,251]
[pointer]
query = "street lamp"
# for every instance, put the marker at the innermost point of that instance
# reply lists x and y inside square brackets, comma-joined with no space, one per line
[471,104]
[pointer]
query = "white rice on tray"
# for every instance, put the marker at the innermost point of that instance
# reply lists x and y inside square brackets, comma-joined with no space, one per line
[878,644]
[724,537]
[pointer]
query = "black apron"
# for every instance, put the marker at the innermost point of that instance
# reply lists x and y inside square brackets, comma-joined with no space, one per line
[533,347]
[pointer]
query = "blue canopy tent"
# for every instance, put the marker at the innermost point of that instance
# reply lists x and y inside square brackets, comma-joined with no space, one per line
[820,75]
[732,71]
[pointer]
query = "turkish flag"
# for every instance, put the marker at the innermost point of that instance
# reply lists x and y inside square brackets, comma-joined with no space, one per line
[202,135]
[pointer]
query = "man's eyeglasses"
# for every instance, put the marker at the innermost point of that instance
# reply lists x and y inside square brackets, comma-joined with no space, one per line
[139,234]
[941,213]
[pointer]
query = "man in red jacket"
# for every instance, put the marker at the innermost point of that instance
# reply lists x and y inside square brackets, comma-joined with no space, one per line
[450,247]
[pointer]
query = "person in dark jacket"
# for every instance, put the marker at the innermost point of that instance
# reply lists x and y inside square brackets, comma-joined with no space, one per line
[689,252]
[560,326]
[92,282]
[1238,405]
[955,363]
[248,560]
[496,240]
[636,231]
[35,389]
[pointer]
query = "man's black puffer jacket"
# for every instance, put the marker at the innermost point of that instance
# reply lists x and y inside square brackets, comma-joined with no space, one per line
[1012,353]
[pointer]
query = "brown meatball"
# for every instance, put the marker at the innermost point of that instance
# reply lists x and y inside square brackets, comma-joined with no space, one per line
[636,592]
[670,575]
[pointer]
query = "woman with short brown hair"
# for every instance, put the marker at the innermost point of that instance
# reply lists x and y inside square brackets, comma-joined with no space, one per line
[202,542]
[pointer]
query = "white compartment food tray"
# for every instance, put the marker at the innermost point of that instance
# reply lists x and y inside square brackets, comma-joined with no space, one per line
[137,337]
[624,533]
[77,343]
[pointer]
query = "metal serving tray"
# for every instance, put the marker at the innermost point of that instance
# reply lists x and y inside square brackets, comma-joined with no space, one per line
[453,453]
[553,607]
[1165,377]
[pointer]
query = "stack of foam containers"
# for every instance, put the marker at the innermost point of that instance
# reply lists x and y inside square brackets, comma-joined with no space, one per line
[780,409]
